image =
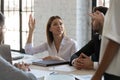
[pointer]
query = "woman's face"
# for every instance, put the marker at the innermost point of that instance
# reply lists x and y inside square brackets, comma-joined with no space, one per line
[57,27]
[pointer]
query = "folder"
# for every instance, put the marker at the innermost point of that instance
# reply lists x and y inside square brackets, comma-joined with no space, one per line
[49,62]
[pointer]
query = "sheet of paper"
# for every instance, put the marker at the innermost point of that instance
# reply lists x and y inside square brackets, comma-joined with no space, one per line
[84,77]
[40,73]
[59,77]
[65,68]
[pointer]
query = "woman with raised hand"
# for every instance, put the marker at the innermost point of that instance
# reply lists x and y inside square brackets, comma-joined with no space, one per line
[58,45]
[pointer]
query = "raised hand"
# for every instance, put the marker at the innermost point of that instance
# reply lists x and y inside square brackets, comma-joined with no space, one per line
[31,23]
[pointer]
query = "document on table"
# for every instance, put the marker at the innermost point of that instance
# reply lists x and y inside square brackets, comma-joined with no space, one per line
[40,73]
[83,77]
[51,75]
[65,68]
[67,77]
[59,77]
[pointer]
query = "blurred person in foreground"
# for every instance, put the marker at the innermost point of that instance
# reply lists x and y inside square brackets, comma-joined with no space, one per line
[109,66]
[7,70]
[58,44]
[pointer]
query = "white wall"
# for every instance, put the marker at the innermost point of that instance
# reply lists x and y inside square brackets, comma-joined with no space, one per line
[83,32]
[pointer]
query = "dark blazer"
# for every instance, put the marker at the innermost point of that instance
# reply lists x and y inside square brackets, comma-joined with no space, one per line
[92,48]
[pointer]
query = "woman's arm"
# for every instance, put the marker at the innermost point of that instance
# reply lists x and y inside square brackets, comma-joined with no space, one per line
[31,25]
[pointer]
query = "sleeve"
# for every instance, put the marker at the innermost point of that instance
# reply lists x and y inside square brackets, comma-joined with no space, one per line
[88,49]
[112,22]
[29,49]
[95,65]
[72,62]
[9,72]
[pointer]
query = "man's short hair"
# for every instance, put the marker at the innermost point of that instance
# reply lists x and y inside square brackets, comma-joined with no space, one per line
[101,9]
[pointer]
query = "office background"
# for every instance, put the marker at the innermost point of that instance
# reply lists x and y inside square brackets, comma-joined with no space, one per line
[74,13]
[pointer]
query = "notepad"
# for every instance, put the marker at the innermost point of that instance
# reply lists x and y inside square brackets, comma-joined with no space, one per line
[49,62]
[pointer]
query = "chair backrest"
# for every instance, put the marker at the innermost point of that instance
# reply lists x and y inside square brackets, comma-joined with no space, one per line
[5,52]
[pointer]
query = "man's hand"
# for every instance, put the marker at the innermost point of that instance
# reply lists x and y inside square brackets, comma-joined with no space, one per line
[77,62]
[83,62]
[86,62]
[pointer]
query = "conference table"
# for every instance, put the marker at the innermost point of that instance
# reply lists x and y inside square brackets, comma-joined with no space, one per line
[41,71]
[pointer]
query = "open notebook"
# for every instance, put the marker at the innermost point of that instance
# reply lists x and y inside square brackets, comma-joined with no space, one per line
[49,62]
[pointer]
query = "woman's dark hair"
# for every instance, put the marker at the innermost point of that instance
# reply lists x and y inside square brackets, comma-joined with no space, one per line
[101,9]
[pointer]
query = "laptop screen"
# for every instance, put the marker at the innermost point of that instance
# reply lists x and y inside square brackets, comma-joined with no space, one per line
[5,52]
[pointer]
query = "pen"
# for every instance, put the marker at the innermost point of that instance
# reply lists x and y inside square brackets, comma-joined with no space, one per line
[53,73]
[76,78]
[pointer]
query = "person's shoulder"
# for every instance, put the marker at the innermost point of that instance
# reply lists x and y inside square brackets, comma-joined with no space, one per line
[69,41]
[66,38]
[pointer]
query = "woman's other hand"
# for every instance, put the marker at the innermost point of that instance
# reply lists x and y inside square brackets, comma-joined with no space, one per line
[53,58]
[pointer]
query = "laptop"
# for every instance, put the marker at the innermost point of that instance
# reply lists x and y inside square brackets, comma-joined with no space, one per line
[16,55]
[49,62]
[5,52]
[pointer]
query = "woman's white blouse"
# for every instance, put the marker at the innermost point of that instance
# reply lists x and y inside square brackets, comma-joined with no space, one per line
[67,48]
